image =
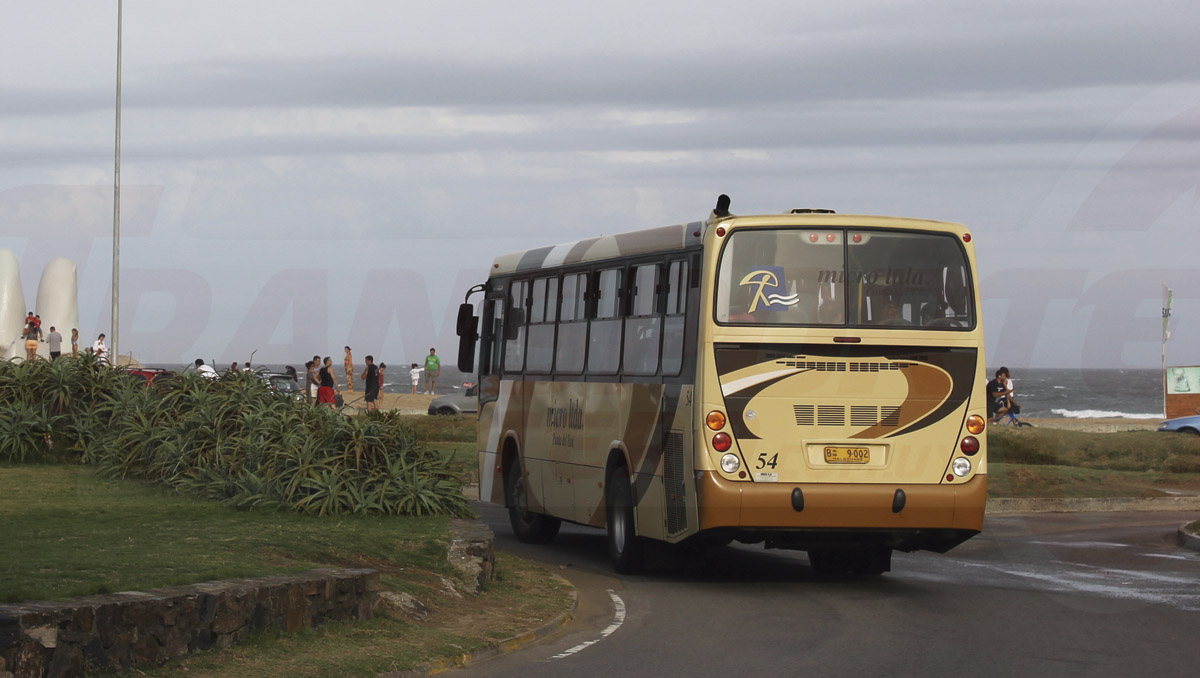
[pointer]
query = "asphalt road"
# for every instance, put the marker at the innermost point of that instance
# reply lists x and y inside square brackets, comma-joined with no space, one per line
[1036,595]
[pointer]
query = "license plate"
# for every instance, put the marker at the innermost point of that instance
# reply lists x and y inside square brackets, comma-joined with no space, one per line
[847,455]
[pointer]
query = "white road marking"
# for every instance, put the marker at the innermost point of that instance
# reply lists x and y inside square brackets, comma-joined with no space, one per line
[618,619]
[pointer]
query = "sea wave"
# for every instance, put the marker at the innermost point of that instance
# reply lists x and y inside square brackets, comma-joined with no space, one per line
[1102,414]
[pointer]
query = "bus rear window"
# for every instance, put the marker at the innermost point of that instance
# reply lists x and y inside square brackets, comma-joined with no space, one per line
[844,277]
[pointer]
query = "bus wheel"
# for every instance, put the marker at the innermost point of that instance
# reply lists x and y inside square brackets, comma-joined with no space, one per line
[531,528]
[624,546]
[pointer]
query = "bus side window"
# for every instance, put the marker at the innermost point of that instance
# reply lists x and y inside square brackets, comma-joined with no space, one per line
[673,324]
[542,311]
[572,325]
[604,343]
[493,337]
[642,327]
[514,344]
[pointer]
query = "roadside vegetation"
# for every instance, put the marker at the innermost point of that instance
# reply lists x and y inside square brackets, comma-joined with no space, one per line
[1046,462]
[231,439]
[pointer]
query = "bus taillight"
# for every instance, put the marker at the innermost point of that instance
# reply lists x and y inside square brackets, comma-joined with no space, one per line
[722,442]
[715,420]
[969,445]
[975,424]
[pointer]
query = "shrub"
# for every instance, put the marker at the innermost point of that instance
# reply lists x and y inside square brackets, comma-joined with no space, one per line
[231,439]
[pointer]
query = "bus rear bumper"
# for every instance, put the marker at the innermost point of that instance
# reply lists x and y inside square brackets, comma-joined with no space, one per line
[932,517]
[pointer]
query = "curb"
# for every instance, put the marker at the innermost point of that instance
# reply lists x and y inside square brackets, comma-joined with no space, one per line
[1092,505]
[494,649]
[1189,539]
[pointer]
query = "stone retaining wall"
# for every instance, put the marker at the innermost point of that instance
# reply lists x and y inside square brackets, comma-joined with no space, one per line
[135,628]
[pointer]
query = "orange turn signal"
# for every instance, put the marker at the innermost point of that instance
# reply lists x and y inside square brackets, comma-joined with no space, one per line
[715,420]
[975,424]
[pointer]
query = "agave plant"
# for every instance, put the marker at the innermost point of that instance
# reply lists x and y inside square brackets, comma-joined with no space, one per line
[24,432]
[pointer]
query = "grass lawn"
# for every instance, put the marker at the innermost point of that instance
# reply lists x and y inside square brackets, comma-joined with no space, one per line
[69,533]
[521,598]
[1046,481]
[1047,462]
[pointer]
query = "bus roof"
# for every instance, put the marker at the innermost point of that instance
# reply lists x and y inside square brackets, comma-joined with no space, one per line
[680,236]
[649,241]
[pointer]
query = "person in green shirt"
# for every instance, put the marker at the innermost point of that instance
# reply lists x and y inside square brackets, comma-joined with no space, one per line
[433,365]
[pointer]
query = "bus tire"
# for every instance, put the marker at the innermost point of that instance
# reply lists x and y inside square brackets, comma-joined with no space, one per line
[624,546]
[529,527]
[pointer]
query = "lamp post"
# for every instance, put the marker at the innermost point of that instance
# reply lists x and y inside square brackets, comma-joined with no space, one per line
[113,351]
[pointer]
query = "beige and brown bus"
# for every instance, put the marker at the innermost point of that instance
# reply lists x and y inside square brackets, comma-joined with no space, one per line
[808,381]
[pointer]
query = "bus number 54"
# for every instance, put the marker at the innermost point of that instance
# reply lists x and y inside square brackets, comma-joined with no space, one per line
[764,461]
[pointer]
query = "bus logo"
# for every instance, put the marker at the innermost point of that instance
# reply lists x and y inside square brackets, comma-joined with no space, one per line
[770,291]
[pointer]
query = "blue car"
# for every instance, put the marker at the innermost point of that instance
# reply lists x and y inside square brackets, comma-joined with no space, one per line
[1182,425]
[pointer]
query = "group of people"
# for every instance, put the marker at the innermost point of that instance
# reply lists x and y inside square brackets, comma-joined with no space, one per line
[322,387]
[33,334]
[1000,401]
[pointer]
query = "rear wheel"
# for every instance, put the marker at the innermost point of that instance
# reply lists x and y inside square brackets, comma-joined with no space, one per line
[624,546]
[531,528]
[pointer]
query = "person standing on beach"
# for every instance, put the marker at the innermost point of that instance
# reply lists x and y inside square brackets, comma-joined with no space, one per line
[31,333]
[309,382]
[74,342]
[370,378]
[433,365]
[313,380]
[98,348]
[328,389]
[349,365]
[415,375]
[54,343]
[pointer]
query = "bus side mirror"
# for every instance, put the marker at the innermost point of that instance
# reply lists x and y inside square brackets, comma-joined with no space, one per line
[466,353]
[467,320]
[465,329]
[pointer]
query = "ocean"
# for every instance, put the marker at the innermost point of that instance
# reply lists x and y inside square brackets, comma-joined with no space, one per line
[1042,393]
[1131,394]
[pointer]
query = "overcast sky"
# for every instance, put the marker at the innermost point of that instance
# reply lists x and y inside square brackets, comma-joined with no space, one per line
[299,175]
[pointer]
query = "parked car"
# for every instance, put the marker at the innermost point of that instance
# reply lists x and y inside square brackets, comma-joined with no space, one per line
[462,402]
[283,384]
[147,374]
[1182,425]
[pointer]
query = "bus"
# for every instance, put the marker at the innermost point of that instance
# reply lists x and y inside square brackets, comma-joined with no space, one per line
[807,380]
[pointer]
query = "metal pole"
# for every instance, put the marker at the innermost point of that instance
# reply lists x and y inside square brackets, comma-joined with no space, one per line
[113,352]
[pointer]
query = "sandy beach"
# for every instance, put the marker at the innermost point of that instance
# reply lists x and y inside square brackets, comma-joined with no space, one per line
[405,403]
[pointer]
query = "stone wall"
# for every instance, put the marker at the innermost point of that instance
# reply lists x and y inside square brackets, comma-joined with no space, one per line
[473,551]
[134,628]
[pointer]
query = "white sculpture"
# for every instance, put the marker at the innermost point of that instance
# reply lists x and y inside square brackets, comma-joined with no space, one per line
[57,304]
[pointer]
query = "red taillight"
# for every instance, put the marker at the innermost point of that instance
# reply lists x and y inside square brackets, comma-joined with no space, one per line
[722,442]
[720,231]
[966,237]
[812,237]
[829,237]
[969,445]
[858,237]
